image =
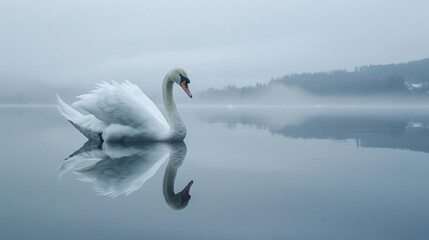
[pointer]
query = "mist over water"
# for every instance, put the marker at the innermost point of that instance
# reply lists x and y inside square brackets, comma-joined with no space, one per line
[378,127]
[258,172]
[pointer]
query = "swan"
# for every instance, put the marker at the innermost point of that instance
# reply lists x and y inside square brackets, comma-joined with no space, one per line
[122,112]
[116,169]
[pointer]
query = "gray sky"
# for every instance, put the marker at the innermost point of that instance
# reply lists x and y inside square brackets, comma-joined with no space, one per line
[216,42]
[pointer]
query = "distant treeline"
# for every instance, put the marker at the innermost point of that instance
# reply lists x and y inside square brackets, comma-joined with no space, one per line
[404,78]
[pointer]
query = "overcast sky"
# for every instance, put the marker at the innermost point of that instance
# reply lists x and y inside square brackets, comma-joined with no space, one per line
[217,42]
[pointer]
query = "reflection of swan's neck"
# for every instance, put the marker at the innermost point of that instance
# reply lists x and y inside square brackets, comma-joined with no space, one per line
[177,127]
[177,156]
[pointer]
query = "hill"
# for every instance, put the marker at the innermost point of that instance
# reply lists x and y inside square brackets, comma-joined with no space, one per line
[407,79]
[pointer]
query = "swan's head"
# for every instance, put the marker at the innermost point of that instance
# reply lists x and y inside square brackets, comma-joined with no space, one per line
[180,77]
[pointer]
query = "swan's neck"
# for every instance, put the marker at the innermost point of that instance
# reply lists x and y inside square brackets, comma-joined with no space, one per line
[177,127]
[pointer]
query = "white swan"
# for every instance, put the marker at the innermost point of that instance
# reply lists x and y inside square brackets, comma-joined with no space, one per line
[122,112]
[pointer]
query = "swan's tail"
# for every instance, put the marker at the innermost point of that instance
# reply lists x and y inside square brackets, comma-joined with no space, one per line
[88,125]
[68,112]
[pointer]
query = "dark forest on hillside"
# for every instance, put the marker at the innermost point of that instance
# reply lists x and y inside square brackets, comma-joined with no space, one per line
[410,78]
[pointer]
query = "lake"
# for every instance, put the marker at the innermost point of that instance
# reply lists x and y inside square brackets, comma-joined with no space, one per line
[258,173]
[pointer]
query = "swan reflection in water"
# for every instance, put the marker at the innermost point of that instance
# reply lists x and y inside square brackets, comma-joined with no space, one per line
[122,168]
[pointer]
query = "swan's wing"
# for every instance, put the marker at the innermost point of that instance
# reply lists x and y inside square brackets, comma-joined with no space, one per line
[123,104]
[88,125]
[138,94]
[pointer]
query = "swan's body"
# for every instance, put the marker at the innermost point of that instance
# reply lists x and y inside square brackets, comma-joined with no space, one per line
[122,112]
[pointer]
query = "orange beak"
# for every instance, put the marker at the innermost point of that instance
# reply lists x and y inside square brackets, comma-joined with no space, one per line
[186,89]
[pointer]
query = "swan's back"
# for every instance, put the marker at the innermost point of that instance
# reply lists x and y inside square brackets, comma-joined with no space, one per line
[127,111]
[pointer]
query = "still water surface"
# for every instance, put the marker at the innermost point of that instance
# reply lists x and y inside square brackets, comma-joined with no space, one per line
[257,172]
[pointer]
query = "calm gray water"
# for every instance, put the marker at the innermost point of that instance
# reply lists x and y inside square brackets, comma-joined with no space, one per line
[258,173]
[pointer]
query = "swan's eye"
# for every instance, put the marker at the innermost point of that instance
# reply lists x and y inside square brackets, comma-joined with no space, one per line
[184,79]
